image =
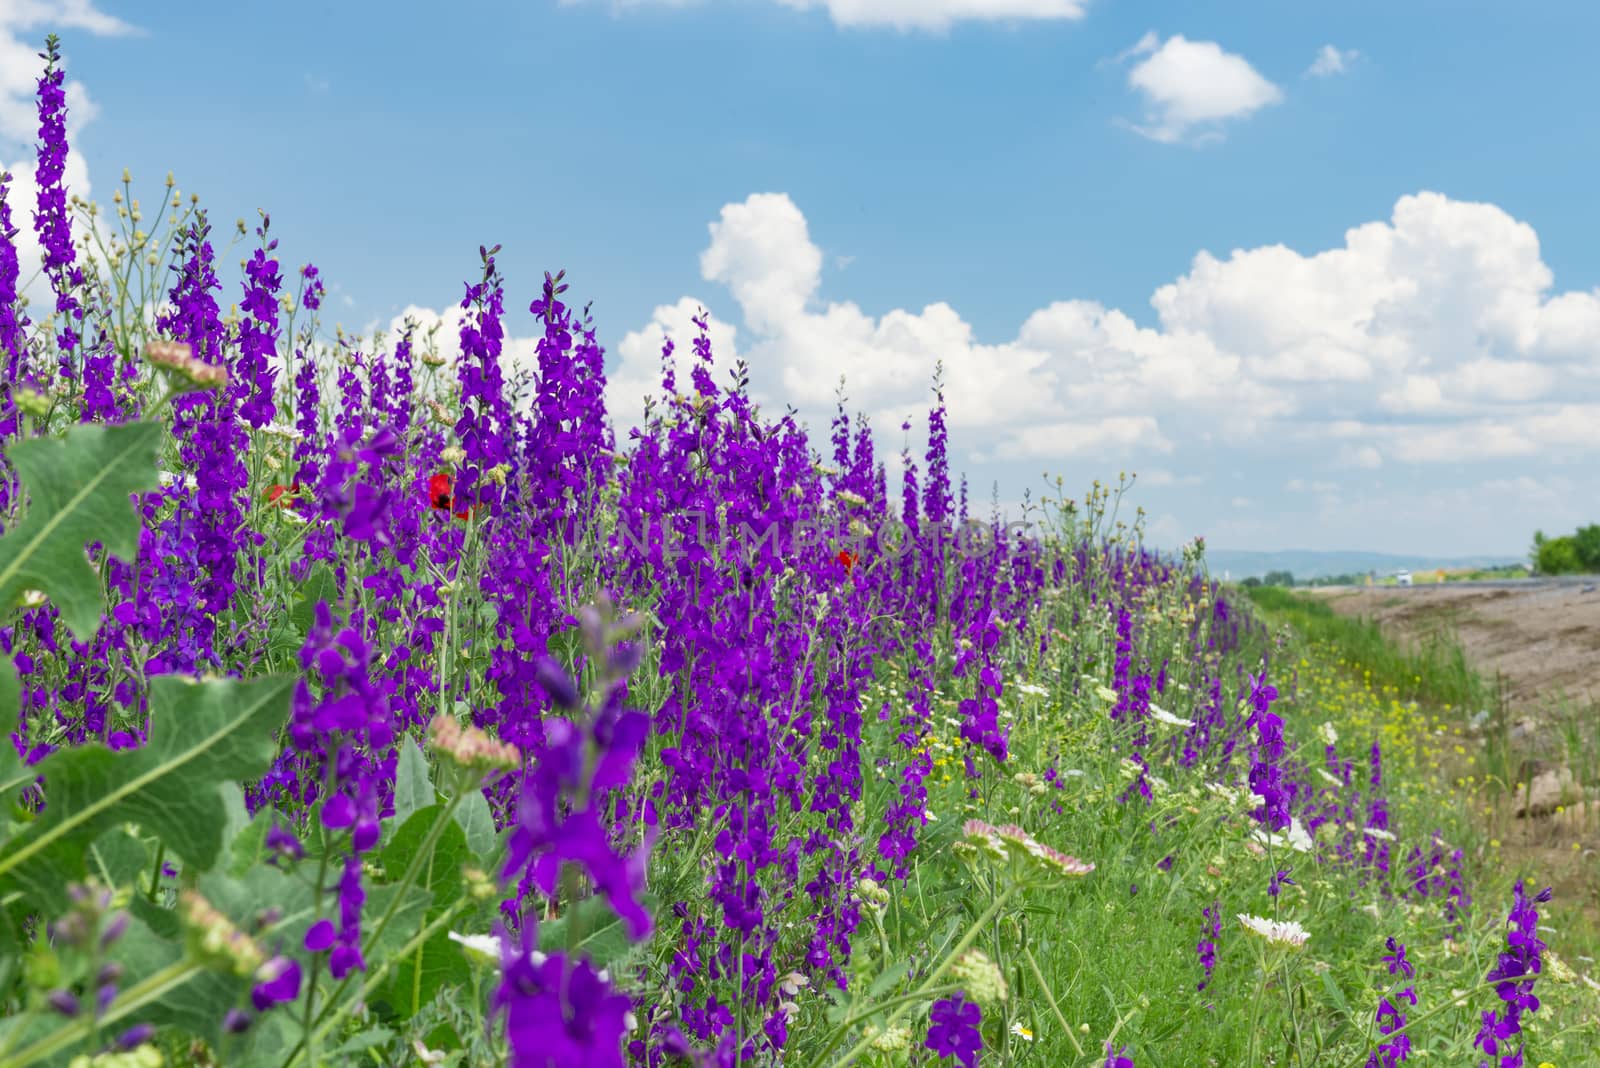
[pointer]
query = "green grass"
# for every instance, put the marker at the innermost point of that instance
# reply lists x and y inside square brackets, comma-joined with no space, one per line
[1436,672]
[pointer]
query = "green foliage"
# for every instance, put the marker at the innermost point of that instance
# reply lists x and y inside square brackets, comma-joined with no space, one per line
[202,735]
[1559,556]
[1277,578]
[79,487]
[1569,554]
[438,961]
[13,776]
[1587,543]
[1436,671]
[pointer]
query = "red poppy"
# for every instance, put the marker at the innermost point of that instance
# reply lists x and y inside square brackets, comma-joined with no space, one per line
[282,496]
[848,560]
[439,494]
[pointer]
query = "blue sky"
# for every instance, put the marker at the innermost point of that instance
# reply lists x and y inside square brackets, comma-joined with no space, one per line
[1324,274]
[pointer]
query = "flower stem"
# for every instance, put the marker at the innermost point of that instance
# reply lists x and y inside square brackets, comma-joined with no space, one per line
[922,991]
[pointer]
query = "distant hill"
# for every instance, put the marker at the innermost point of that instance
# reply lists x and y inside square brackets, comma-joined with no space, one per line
[1305,564]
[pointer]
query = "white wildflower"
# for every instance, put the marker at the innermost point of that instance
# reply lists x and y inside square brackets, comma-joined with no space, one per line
[1161,715]
[485,949]
[1278,932]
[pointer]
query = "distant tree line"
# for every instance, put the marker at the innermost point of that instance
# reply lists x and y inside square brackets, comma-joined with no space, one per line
[1271,578]
[1569,554]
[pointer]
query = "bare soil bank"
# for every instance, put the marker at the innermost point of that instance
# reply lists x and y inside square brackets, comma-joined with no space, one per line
[1544,642]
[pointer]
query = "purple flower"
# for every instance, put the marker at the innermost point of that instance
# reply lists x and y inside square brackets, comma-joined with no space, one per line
[280,982]
[1513,975]
[1266,776]
[1118,1058]
[557,1012]
[1207,949]
[1390,1017]
[51,221]
[282,843]
[137,1035]
[953,1030]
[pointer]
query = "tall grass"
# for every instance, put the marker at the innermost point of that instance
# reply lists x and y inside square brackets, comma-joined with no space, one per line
[1434,671]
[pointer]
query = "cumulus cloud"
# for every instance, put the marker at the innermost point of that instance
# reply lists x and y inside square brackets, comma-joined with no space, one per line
[1331,61]
[1194,85]
[1428,338]
[23,26]
[935,16]
[1426,342]
[638,373]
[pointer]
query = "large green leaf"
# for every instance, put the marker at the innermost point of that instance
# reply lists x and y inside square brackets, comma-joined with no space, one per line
[80,488]
[13,776]
[413,789]
[438,961]
[201,735]
[476,820]
[602,936]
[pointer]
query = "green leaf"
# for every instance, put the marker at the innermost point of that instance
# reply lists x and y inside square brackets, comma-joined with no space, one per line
[413,789]
[245,836]
[13,775]
[196,1005]
[474,818]
[320,585]
[120,859]
[601,935]
[891,975]
[438,961]
[80,488]
[201,735]
[371,1038]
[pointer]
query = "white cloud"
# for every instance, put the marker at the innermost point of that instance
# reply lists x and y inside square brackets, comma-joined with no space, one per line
[1189,84]
[639,372]
[932,15]
[1076,439]
[1331,61]
[1424,345]
[937,15]
[1426,339]
[23,27]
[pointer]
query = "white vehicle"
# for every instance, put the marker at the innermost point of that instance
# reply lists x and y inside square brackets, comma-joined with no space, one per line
[1402,578]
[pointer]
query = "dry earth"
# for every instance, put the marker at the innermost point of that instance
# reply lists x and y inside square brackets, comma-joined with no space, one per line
[1543,642]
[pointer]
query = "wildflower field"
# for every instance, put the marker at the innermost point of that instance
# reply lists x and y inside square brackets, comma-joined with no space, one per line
[372,706]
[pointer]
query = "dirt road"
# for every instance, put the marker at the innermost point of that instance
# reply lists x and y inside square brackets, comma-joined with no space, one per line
[1544,639]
